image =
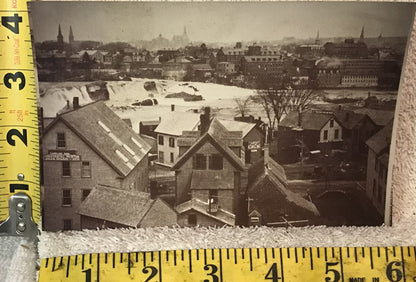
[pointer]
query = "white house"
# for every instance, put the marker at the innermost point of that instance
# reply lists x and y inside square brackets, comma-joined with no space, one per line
[169,130]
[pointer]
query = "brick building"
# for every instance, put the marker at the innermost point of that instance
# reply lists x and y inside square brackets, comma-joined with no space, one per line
[83,148]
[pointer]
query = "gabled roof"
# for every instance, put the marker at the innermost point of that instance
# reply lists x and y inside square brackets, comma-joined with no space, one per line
[310,120]
[382,139]
[233,125]
[379,117]
[221,139]
[349,119]
[202,207]
[117,205]
[174,123]
[107,134]
[274,174]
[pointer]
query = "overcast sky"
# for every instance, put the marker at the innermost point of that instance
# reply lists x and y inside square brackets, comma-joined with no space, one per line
[218,22]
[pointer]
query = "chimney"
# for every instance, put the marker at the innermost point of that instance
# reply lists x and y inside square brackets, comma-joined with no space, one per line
[75,103]
[172,108]
[204,120]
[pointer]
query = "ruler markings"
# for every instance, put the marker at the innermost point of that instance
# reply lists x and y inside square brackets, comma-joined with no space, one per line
[317,252]
[310,254]
[296,255]
[174,257]
[387,254]
[220,255]
[76,259]
[83,261]
[394,251]
[333,252]
[235,256]
[182,255]
[258,253]
[137,256]
[251,259]
[403,266]
[281,264]
[242,253]
[53,265]
[47,262]
[212,254]
[414,250]
[288,253]
[128,264]
[190,260]
[363,252]
[371,258]
[265,255]
[167,256]
[197,254]
[228,254]
[67,266]
[114,260]
[144,259]
[160,266]
[326,256]
[355,254]
[98,267]
[341,263]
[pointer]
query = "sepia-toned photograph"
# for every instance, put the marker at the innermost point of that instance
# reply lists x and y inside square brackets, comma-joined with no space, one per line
[217,114]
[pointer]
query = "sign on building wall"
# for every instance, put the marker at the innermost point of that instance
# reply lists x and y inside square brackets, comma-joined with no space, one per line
[61,156]
[254,145]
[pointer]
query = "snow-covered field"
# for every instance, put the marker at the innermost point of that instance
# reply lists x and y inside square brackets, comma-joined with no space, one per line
[122,94]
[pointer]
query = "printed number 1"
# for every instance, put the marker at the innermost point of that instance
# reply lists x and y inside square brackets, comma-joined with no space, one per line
[12,23]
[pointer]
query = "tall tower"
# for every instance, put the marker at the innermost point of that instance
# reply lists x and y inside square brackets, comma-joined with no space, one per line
[71,36]
[317,40]
[60,39]
[362,34]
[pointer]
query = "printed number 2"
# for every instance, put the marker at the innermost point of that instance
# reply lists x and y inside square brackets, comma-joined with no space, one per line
[10,76]
[15,132]
[152,274]
[12,23]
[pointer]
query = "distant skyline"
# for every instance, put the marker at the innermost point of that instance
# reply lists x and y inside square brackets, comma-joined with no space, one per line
[218,21]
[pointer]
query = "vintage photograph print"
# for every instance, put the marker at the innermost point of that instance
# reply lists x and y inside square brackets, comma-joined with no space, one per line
[213,114]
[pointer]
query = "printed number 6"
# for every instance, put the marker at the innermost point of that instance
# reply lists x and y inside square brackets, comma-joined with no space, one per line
[10,76]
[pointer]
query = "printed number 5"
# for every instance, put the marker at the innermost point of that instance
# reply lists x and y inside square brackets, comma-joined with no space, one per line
[337,276]
[10,76]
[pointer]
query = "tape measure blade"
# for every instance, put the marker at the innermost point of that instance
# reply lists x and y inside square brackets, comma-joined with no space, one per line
[19,137]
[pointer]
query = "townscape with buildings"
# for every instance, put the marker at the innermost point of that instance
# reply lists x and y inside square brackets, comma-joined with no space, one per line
[315,160]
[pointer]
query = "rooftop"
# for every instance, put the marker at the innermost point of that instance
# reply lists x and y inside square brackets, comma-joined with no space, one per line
[202,207]
[310,120]
[382,139]
[116,205]
[380,117]
[174,123]
[233,125]
[107,134]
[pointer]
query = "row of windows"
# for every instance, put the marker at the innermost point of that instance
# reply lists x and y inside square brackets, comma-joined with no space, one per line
[265,59]
[162,157]
[336,134]
[85,169]
[162,141]
[215,162]
[67,196]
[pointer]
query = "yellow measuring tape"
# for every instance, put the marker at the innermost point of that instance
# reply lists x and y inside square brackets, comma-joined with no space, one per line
[349,264]
[19,138]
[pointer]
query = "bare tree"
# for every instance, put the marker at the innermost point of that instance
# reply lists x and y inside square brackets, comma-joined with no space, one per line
[242,105]
[300,99]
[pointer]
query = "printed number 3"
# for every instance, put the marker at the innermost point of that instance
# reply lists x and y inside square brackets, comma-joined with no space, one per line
[10,76]
[214,269]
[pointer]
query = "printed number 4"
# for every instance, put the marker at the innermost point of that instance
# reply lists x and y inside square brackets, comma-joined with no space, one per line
[12,23]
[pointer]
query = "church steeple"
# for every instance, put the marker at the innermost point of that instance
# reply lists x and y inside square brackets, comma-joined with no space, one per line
[60,39]
[362,34]
[71,36]
[317,40]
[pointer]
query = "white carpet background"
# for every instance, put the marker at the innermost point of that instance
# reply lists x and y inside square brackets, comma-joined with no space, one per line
[18,256]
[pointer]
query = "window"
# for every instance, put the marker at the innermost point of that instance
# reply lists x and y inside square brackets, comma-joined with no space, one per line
[66,169]
[325,134]
[85,169]
[213,196]
[192,219]
[66,197]
[85,193]
[160,140]
[215,162]
[60,140]
[161,157]
[172,158]
[331,123]
[336,134]
[199,161]
[67,224]
[171,142]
